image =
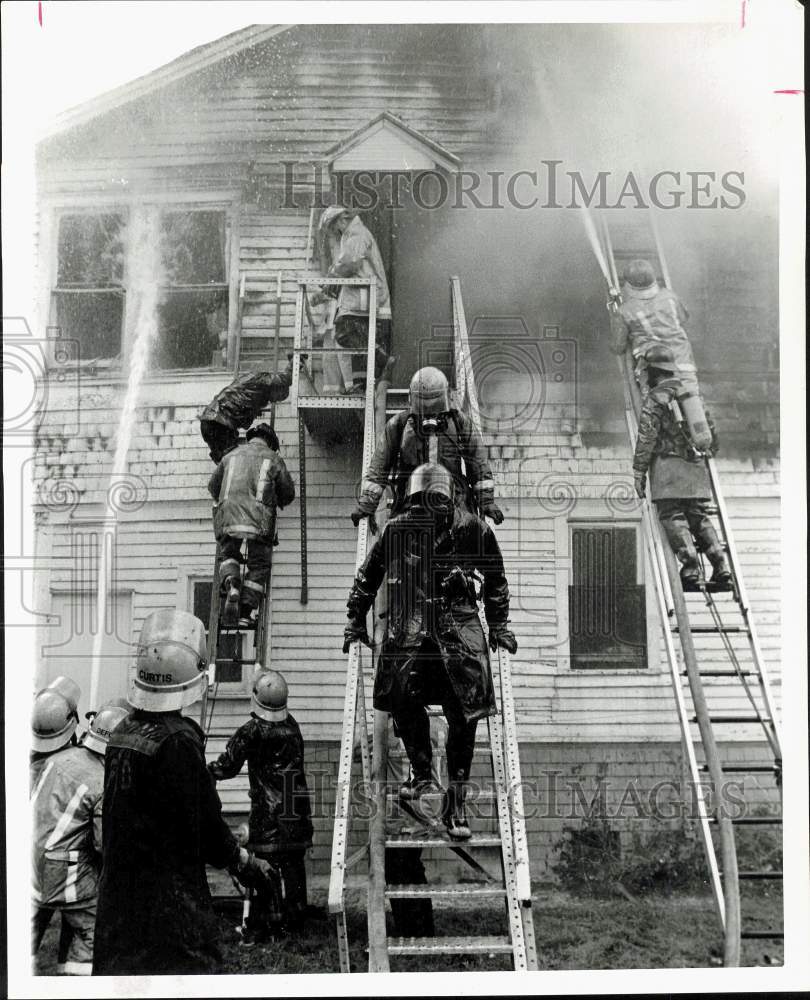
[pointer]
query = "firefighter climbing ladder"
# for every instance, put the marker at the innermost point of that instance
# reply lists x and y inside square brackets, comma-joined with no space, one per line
[515,887]
[675,608]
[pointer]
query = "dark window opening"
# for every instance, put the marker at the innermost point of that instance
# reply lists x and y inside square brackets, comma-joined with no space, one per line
[606,607]
[89,293]
[229,646]
[193,311]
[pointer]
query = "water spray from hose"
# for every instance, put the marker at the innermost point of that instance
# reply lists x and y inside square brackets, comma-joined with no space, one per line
[144,253]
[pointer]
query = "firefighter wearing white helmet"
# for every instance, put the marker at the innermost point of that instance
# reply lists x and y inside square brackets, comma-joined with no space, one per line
[429,430]
[434,650]
[280,827]
[162,817]
[67,782]
[102,724]
[651,316]
[679,482]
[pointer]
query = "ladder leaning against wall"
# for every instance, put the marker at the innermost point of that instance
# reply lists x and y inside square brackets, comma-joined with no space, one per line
[514,885]
[746,673]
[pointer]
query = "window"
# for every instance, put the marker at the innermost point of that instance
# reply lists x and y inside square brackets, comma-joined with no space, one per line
[193,310]
[606,601]
[230,644]
[88,298]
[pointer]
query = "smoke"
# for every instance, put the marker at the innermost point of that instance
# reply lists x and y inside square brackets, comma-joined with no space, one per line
[145,269]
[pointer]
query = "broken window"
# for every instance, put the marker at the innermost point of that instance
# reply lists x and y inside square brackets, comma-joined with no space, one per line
[606,603]
[229,646]
[88,299]
[193,310]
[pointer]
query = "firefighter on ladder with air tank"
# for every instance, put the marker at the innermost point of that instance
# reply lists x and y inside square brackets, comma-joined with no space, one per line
[679,483]
[429,430]
[249,484]
[434,651]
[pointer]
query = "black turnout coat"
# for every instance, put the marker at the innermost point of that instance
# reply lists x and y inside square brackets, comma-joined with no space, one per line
[162,823]
[431,595]
[279,800]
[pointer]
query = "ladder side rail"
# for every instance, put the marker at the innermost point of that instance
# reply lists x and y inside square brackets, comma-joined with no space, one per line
[236,344]
[515,787]
[263,626]
[213,637]
[463,340]
[745,607]
[663,595]
[458,352]
[517,806]
[728,850]
[513,906]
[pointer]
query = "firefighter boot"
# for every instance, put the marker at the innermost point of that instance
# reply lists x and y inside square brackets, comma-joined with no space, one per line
[683,545]
[230,611]
[709,544]
[454,814]
[419,784]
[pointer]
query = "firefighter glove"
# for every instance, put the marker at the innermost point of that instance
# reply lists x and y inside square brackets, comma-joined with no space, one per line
[491,509]
[357,516]
[500,635]
[641,490]
[355,631]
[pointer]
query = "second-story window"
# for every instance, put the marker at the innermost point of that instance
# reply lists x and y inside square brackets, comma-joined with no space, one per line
[88,299]
[193,311]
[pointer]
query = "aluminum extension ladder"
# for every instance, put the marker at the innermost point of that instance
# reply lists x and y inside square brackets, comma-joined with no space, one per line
[675,607]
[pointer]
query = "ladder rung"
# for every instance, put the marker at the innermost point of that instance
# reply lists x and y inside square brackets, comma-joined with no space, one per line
[722,673]
[222,660]
[759,875]
[761,935]
[745,768]
[707,629]
[469,889]
[442,840]
[449,945]
[734,718]
[752,820]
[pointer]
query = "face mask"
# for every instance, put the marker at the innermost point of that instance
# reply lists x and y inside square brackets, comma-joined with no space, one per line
[434,423]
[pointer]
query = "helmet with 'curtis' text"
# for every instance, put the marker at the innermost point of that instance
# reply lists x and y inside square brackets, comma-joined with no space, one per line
[169,668]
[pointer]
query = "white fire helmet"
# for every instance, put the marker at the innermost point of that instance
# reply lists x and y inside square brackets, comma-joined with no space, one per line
[269,701]
[104,721]
[169,667]
[55,715]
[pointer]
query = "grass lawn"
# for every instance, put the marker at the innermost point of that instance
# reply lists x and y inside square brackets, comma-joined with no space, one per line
[572,932]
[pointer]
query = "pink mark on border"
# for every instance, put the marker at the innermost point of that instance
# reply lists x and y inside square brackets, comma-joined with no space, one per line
[742,16]
[788,92]
[39,12]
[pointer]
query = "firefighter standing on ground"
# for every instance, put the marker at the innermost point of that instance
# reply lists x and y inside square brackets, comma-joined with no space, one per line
[429,430]
[248,486]
[162,820]
[434,650]
[679,482]
[67,783]
[280,827]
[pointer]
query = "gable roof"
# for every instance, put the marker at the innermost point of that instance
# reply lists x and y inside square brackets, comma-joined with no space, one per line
[405,137]
[190,62]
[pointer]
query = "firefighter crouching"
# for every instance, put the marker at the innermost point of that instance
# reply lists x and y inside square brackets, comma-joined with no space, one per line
[679,482]
[249,484]
[237,406]
[280,827]
[162,818]
[429,430]
[434,650]
[67,783]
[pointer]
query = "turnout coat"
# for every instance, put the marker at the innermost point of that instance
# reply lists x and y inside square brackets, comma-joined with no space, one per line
[677,471]
[248,485]
[432,596]
[66,797]
[279,800]
[401,448]
[162,823]
[238,404]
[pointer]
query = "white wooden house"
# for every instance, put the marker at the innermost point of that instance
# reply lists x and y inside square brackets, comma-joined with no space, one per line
[226,147]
